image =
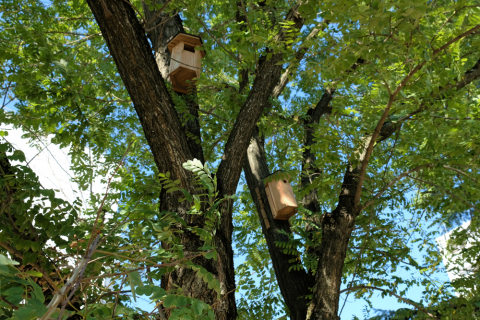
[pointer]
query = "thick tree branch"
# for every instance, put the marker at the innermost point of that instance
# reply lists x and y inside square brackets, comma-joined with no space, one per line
[132,54]
[172,25]
[294,284]
[239,139]
[461,172]
[471,75]
[167,139]
[299,56]
[365,157]
[309,169]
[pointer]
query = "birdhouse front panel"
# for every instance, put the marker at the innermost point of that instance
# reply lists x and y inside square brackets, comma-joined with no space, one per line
[281,199]
[185,64]
[176,57]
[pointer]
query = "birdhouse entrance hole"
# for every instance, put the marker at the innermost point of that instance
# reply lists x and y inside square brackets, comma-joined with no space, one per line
[189,48]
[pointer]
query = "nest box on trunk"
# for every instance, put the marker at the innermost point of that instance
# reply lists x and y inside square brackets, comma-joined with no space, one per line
[281,199]
[185,62]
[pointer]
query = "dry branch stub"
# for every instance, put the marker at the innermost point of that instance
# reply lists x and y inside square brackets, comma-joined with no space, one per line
[281,198]
[185,64]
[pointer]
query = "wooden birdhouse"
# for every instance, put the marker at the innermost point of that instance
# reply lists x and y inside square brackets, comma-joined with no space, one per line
[281,199]
[185,62]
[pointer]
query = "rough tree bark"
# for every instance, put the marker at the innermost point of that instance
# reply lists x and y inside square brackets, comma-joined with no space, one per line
[166,137]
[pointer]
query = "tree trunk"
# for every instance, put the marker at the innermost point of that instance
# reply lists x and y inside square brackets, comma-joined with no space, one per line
[337,227]
[170,148]
[294,284]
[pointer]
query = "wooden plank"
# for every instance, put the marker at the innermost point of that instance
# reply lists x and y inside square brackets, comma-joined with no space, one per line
[270,201]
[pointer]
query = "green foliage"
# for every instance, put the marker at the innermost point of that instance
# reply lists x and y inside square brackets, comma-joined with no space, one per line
[138,243]
[65,89]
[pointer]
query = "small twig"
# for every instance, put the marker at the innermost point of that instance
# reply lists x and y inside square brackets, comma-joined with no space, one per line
[223,297]
[157,265]
[117,295]
[391,183]
[393,294]
[115,100]
[100,209]
[214,39]
[84,38]
[385,254]
[104,106]
[447,192]
[6,94]
[71,33]
[17,253]
[124,257]
[9,303]
[461,172]
[211,113]
[391,151]
[158,14]
[162,23]
[251,33]
[448,118]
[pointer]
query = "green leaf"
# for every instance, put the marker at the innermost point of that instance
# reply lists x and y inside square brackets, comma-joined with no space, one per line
[181,301]
[34,273]
[32,310]
[198,307]
[188,196]
[172,189]
[170,301]
[136,278]
[198,204]
[132,288]
[37,291]
[158,294]
[6,261]
[211,254]
[14,294]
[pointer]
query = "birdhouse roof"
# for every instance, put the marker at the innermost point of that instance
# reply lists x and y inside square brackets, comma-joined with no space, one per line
[186,38]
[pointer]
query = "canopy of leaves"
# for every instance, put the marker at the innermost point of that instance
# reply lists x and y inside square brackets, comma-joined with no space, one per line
[59,82]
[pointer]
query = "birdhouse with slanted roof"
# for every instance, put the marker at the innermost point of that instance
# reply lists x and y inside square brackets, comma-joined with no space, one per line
[281,197]
[185,63]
